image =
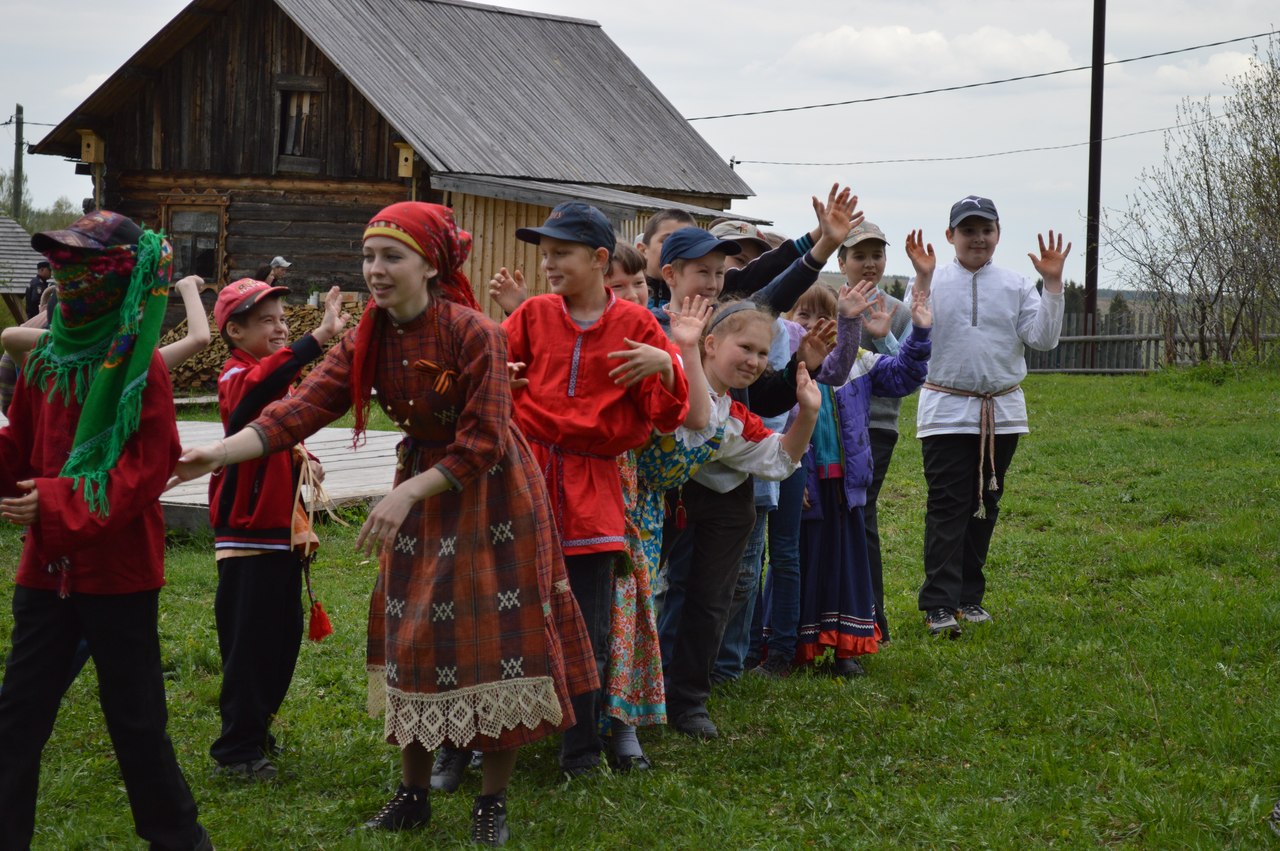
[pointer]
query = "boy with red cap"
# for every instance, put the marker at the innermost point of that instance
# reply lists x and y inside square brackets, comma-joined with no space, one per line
[258,606]
[90,443]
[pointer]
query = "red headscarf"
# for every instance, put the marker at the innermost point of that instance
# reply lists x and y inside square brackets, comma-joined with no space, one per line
[428,229]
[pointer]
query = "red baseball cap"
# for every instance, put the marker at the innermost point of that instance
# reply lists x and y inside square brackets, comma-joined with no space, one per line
[239,296]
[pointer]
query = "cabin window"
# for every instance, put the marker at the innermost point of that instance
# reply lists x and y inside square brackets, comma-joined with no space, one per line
[299,132]
[196,236]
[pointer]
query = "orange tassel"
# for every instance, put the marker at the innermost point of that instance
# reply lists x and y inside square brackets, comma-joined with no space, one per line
[320,625]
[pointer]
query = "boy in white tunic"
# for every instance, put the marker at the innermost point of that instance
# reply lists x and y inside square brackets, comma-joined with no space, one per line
[972,409]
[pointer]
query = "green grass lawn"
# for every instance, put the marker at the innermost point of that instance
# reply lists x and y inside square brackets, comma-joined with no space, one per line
[1124,696]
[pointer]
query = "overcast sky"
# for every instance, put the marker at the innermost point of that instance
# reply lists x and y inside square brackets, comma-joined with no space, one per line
[714,56]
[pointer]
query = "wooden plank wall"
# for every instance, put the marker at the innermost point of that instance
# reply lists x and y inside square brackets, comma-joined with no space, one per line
[492,224]
[214,108]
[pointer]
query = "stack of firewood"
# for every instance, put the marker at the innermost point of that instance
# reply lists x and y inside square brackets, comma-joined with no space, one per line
[199,374]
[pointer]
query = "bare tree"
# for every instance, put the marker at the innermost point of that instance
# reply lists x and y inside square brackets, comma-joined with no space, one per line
[1201,234]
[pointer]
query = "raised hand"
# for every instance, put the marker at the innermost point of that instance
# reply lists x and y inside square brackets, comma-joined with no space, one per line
[508,289]
[878,318]
[853,299]
[1051,260]
[835,219]
[640,361]
[921,255]
[921,312]
[817,343]
[688,323]
[808,394]
[334,318]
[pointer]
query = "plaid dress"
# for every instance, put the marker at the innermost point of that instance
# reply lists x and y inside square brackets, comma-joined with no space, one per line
[474,636]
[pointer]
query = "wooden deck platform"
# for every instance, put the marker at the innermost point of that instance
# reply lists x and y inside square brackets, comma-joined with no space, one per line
[351,475]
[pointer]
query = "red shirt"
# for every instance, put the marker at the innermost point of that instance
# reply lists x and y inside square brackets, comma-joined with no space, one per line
[121,553]
[578,420]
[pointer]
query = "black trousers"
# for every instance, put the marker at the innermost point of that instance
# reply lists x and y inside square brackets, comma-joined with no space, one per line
[720,524]
[882,442]
[121,633]
[955,541]
[591,580]
[258,610]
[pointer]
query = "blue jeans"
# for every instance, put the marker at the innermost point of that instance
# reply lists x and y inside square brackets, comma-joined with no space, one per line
[737,634]
[677,553]
[781,609]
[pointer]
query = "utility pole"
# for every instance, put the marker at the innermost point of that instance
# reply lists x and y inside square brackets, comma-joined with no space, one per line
[16,212]
[1093,225]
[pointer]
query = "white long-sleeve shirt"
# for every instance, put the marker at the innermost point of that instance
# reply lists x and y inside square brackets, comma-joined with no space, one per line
[747,448]
[982,323]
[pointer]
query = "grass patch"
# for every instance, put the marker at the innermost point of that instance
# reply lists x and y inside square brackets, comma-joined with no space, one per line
[1124,696]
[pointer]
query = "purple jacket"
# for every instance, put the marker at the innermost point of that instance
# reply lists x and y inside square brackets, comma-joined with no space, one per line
[880,375]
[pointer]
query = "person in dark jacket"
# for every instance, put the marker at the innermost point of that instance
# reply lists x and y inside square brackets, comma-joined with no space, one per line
[37,286]
[258,605]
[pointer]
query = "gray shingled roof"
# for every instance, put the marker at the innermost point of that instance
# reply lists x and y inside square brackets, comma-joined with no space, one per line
[477,90]
[17,258]
[485,90]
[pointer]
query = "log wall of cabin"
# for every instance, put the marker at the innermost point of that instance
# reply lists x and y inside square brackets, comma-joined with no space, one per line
[215,108]
[316,224]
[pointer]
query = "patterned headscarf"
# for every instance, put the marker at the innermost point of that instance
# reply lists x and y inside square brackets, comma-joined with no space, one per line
[430,230]
[111,303]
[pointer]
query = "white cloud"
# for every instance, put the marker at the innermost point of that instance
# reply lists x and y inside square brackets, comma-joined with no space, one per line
[81,90]
[896,52]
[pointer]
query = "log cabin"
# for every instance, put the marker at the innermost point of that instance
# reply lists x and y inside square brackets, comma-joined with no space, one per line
[254,128]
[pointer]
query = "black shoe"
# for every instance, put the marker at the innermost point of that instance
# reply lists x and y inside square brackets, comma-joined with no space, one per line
[942,620]
[629,763]
[773,668]
[848,668]
[410,807]
[577,772]
[254,769]
[446,773]
[696,724]
[489,821]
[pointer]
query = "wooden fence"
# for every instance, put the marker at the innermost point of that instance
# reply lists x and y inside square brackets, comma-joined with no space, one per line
[1134,342]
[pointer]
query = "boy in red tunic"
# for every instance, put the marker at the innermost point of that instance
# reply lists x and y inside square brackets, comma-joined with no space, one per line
[580,413]
[90,443]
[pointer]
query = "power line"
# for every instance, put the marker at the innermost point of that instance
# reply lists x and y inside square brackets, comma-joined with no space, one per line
[24,121]
[979,85]
[984,156]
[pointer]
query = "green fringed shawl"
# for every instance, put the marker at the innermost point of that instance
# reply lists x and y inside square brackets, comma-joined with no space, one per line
[103,365]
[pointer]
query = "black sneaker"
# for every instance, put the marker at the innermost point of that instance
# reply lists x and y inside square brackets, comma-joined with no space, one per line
[696,724]
[942,620]
[773,668]
[626,763]
[254,769]
[973,613]
[410,807]
[446,773]
[489,821]
[848,668]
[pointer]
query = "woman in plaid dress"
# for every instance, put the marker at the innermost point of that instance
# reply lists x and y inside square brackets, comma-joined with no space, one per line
[475,640]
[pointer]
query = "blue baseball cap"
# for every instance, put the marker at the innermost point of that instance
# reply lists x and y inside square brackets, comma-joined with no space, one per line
[692,243]
[573,221]
[973,205]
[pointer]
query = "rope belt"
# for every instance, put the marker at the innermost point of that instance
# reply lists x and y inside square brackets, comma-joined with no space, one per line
[986,434]
[553,472]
